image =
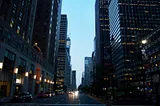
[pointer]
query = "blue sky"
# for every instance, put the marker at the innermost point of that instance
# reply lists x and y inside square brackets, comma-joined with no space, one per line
[81,28]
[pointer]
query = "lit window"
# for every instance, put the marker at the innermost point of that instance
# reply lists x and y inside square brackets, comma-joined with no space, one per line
[156,65]
[49,31]
[131,51]
[11,22]
[105,79]
[18,31]
[155,57]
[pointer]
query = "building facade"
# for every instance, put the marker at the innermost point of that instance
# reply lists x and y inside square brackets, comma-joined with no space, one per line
[68,65]
[22,65]
[88,79]
[102,44]
[130,21]
[63,56]
[74,85]
[82,80]
[152,65]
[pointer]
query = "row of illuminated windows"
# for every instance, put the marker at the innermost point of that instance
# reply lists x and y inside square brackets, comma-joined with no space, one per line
[19,45]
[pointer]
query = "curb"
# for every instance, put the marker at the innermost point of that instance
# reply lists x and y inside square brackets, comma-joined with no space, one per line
[100,100]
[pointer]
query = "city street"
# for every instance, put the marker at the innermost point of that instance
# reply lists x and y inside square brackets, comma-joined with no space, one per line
[64,100]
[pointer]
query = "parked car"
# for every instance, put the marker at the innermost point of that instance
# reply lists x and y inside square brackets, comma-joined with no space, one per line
[48,94]
[22,97]
[53,93]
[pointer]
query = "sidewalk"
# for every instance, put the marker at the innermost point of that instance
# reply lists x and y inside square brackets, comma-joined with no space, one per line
[5,99]
[120,103]
[101,100]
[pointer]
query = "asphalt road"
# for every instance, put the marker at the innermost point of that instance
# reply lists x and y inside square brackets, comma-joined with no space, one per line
[62,100]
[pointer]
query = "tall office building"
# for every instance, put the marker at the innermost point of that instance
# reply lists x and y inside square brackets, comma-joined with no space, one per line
[21,64]
[82,80]
[63,56]
[74,85]
[102,40]
[16,27]
[88,71]
[20,16]
[44,30]
[56,32]
[130,22]
[68,65]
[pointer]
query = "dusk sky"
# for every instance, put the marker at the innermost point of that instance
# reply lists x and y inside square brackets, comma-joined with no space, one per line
[81,28]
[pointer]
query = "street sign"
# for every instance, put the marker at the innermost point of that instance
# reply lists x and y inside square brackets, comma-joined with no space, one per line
[156,78]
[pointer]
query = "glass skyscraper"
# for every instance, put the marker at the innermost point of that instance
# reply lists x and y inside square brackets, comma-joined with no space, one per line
[102,43]
[130,22]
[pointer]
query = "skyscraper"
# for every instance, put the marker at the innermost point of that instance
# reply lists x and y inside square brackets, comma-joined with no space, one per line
[20,16]
[16,27]
[102,40]
[68,65]
[88,71]
[63,56]
[45,36]
[74,85]
[22,64]
[130,22]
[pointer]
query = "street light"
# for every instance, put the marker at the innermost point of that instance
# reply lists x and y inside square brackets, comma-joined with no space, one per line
[44,80]
[34,76]
[1,65]
[26,74]
[144,41]
[40,78]
[16,70]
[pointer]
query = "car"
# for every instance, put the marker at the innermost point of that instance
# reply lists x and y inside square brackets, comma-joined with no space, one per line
[53,93]
[22,97]
[48,94]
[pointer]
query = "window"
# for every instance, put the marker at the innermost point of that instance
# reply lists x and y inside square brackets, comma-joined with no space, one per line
[18,30]
[10,55]
[12,22]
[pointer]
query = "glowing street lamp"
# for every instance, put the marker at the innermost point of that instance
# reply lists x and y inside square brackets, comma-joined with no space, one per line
[16,70]
[35,76]
[26,74]
[50,82]
[144,41]
[44,80]
[1,65]
[40,78]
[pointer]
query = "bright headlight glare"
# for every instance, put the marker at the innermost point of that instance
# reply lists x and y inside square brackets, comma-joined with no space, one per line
[76,93]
